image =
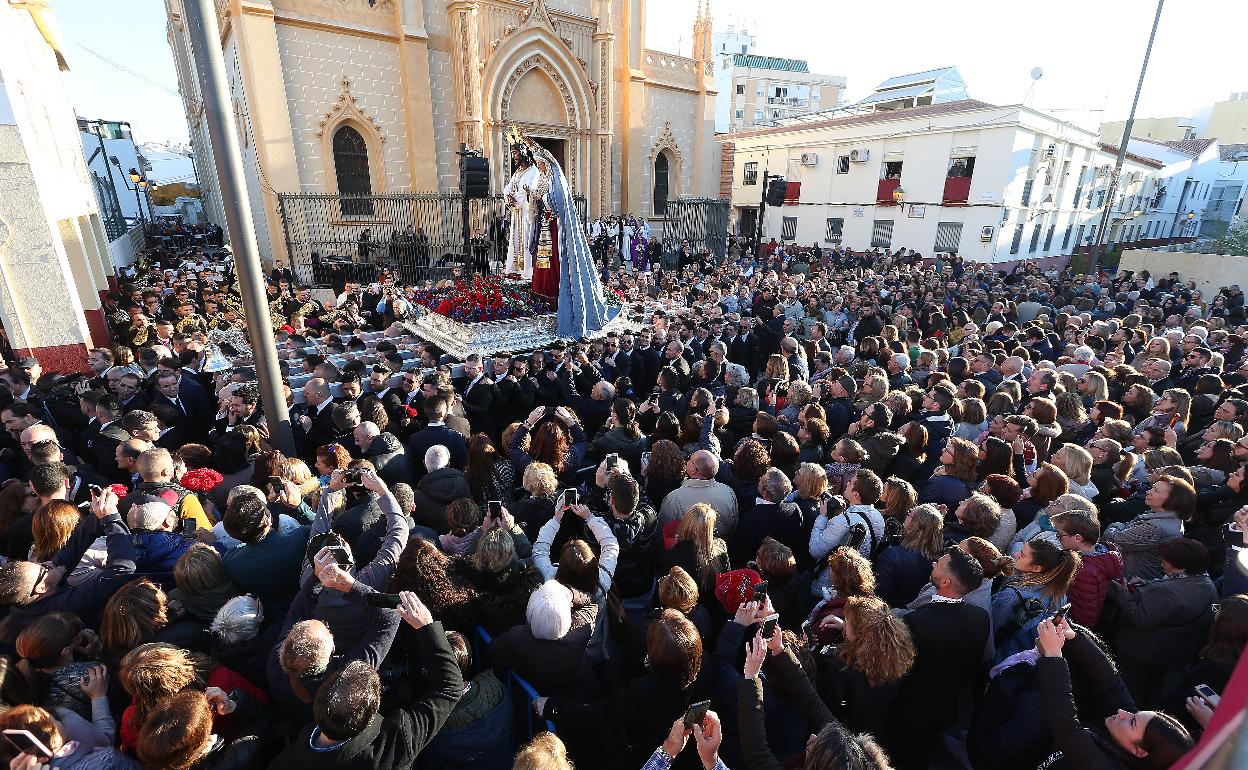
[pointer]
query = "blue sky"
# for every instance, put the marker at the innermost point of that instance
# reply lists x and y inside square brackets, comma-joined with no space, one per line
[1090,51]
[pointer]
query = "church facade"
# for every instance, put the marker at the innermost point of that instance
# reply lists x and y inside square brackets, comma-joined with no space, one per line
[360,96]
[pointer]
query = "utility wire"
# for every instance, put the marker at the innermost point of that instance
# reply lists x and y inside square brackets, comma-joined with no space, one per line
[129,71]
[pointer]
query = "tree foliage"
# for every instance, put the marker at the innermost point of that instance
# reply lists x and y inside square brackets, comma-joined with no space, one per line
[168,194]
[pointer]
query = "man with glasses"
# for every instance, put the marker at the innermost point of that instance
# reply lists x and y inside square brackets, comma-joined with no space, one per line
[1195,364]
[33,590]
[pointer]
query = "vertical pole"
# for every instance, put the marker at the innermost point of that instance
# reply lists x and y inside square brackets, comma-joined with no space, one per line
[762,212]
[469,263]
[201,23]
[1122,148]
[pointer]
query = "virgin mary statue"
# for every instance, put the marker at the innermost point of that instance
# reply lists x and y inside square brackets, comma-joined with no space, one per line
[557,235]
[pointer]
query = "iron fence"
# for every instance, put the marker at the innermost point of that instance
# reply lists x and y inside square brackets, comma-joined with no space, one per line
[702,222]
[332,239]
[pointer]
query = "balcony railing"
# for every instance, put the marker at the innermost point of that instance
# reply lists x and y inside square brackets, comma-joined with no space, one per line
[884,194]
[957,189]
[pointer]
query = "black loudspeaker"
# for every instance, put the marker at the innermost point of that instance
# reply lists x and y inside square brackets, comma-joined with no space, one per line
[475,176]
[777,187]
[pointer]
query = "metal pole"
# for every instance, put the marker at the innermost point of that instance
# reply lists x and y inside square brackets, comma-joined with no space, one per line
[762,212]
[1122,147]
[201,23]
[119,221]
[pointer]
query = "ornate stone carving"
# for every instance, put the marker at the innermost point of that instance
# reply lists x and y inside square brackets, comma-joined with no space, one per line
[346,108]
[538,15]
[538,61]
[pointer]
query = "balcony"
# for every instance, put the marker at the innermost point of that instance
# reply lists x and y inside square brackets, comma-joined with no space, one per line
[884,194]
[957,190]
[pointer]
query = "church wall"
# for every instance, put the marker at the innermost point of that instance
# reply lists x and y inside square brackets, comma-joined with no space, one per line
[314,63]
[680,108]
[442,92]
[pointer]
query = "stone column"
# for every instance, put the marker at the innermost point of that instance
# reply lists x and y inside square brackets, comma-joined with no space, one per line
[603,134]
[466,57]
[414,61]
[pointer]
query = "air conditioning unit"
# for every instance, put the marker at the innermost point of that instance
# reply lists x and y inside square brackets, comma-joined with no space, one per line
[859,156]
[1050,152]
[810,159]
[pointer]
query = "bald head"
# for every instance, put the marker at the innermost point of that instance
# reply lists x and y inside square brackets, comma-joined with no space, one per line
[364,434]
[315,391]
[706,464]
[307,649]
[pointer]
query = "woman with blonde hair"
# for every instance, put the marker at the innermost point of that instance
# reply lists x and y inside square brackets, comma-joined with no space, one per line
[1077,463]
[874,388]
[862,679]
[902,570]
[697,550]
[535,510]
[543,752]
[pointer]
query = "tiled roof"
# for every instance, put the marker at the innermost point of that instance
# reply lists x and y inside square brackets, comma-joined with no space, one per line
[1192,147]
[769,62]
[1112,150]
[928,110]
[1233,151]
[914,77]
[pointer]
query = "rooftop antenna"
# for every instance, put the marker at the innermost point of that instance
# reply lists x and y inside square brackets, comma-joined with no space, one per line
[1036,74]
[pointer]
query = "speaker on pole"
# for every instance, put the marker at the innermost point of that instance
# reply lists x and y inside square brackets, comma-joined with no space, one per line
[777,188]
[475,177]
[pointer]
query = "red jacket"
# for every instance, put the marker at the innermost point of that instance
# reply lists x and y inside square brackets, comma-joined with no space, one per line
[1091,584]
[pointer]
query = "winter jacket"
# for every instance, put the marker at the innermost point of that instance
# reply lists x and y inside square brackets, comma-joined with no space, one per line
[641,545]
[881,447]
[478,733]
[502,598]
[784,675]
[621,442]
[396,739]
[1163,622]
[1008,729]
[1091,584]
[719,496]
[900,573]
[553,666]
[1017,610]
[434,492]
[1138,540]
[828,533]
[782,522]
[949,490]
[388,456]
[156,553]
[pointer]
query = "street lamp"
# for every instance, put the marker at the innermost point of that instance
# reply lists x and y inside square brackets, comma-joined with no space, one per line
[899,196]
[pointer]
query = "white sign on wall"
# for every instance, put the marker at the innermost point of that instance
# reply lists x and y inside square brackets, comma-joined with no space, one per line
[858,211]
[918,212]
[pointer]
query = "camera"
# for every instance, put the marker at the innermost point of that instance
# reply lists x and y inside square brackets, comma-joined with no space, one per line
[353,475]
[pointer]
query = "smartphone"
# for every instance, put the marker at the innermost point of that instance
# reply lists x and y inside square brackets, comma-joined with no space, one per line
[495,508]
[189,526]
[693,715]
[645,461]
[569,498]
[654,394]
[340,555]
[769,626]
[27,743]
[1203,690]
[386,601]
[760,592]
[613,460]
[1174,420]
[1061,612]
[275,484]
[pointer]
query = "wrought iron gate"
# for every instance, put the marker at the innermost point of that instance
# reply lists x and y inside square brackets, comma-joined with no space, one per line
[703,222]
[332,239]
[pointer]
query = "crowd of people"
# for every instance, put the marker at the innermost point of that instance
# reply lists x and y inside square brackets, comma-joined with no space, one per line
[817,508]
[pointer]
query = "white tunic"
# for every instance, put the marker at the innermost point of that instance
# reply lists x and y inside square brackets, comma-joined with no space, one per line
[521,204]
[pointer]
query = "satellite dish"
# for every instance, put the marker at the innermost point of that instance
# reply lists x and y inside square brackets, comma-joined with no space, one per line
[1036,73]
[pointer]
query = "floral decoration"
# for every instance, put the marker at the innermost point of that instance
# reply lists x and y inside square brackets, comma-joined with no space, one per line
[484,298]
[201,479]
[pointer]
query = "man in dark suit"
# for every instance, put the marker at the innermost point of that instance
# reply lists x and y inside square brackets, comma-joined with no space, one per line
[169,431]
[592,411]
[743,349]
[646,362]
[477,394]
[243,408]
[314,426]
[434,433]
[102,447]
[950,637]
[188,398]
[129,387]
[617,358]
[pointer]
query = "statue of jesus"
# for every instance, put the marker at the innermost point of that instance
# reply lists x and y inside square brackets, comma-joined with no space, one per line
[522,207]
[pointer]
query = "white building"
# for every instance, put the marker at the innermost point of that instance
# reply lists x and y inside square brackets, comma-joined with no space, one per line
[111,154]
[733,40]
[993,184]
[54,254]
[758,90]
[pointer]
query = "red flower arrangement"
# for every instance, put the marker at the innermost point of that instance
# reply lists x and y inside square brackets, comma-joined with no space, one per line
[121,490]
[201,479]
[482,299]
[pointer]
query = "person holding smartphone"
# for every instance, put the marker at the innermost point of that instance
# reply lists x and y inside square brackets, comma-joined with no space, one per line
[60,738]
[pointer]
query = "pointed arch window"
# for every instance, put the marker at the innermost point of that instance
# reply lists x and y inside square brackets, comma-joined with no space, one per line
[351,170]
[661,169]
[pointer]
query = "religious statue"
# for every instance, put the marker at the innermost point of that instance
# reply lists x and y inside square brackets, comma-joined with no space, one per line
[547,241]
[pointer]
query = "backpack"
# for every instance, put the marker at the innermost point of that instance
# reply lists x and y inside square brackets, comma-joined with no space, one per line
[857,534]
[1025,610]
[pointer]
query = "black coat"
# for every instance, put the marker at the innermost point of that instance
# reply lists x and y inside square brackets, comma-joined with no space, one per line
[1008,728]
[479,407]
[432,435]
[434,492]
[395,740]
[387,455]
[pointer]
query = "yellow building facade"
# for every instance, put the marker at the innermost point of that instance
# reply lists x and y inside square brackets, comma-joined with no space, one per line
[378,97]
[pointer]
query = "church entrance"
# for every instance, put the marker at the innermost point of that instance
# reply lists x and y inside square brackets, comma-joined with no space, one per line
[556,147]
